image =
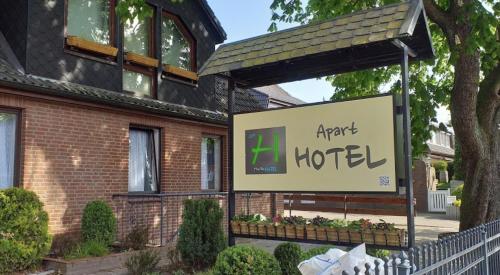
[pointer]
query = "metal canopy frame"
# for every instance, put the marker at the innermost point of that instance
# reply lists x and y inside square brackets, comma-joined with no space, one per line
[395,48]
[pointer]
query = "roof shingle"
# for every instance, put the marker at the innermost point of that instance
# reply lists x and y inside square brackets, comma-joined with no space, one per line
[360,28]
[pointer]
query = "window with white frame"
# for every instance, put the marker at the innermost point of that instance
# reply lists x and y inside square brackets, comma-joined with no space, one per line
[211,163]
[8,133]
[144,152]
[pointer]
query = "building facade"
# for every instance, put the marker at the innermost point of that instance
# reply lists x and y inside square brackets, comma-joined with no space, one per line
[91,106]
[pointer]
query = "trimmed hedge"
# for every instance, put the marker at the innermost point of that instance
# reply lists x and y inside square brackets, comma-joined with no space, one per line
[238,260]
[289,256]
[98,223]
[201,236]
[24,237]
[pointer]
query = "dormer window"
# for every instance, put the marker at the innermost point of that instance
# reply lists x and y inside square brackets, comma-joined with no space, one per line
[89,26]
[178,50]
[139,65]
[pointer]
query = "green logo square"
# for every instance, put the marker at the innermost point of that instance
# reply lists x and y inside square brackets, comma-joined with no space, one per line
[265,151]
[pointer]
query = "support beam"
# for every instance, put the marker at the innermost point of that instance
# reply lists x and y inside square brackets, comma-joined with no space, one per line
[231,197]
[407,144]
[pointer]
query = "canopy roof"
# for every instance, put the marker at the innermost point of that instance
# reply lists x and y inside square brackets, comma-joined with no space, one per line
[357,41]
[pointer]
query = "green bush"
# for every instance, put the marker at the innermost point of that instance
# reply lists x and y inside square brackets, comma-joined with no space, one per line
[24,237]
[144,262]
[201,236]
[246,260]
[440,165]
[378,253]
[316,251]
[86,249]
[443,185]
[458,192]
[98,223]
[289,255]
[137,239]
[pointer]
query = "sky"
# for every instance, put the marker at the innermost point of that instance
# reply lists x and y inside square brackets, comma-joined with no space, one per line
[243,19]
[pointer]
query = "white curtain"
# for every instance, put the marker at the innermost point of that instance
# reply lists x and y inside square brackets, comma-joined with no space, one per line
[7,149]
[218,165]
[210,163]
[204,164]
[142,172]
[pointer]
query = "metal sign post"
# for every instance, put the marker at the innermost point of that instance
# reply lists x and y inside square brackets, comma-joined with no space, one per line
[231,199]
[407,141]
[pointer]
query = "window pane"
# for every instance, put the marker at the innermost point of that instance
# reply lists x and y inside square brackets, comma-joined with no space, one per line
[136,36]
[138,83]
[89,19]
[175,49]
[210,163]
[143,161]
[7,149]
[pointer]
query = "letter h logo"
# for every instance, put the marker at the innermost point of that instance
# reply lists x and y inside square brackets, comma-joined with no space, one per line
[265,151]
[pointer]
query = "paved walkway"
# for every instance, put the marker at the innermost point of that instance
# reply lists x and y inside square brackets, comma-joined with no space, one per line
[427,226]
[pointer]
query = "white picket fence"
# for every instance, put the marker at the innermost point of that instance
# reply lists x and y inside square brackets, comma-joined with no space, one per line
[436,200]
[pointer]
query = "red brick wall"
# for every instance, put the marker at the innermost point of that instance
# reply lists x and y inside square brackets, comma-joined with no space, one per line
[74,153]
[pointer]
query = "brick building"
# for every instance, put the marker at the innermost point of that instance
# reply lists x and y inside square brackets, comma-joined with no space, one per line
[91,108]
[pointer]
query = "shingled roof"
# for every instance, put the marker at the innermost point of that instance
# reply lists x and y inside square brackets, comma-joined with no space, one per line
[351,42]
[12,78]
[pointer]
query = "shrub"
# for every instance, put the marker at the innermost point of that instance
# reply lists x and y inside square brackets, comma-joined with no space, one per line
[137,239]
[24,237]
[86,249]
[440,165]
[316,251]
[144,262]
[201,236]
[98,223]
[245,260]
[443,185]
[320,221]
[63,244]
[458,191]
[457,203]
[289,255]
[378,253]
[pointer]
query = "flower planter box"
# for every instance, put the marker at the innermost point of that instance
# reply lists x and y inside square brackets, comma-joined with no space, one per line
[321,233]
[355,236]
[252,229]
[112,262]
[244,228]
[395,237]
[344,235]
[300,231]
[368,236]
[271,230]
[280,231]
[311,232]
[235,227]
[261,230]
[332,234]
[290,231]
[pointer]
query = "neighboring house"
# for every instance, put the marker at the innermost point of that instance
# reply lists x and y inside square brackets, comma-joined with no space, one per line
[441,145]
[90,108]
[279,97]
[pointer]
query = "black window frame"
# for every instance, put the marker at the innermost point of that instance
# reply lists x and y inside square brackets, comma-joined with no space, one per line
[17,144]
[221,184]
[159,157]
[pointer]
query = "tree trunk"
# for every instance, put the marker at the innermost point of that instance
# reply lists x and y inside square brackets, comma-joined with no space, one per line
[479,145]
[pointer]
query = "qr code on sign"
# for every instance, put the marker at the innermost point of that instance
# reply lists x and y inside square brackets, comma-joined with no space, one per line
[384,181]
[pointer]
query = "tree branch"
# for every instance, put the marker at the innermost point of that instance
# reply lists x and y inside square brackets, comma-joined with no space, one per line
[443,19]
[488,99]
